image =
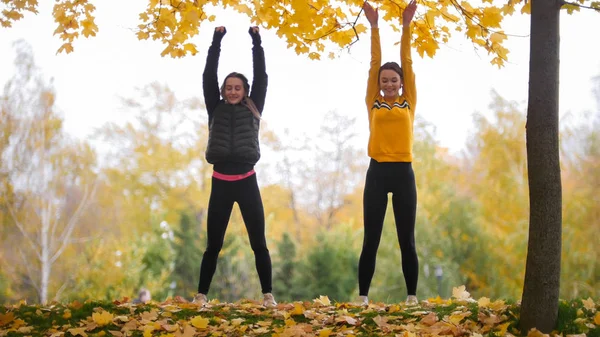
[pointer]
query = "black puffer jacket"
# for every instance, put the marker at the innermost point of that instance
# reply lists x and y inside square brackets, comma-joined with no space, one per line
[233,135]
[233,129]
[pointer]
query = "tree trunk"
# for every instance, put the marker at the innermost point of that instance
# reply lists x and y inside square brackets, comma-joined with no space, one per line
[539,306]
[45,263]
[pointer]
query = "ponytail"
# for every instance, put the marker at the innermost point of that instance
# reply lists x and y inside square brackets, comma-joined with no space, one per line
[249,103]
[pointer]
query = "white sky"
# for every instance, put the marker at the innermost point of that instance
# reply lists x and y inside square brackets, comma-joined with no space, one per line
[451,87]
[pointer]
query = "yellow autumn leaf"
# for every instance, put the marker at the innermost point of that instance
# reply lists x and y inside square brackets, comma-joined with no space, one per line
[102,318]
[199,322]
[597,319]
[314,56]
[25,329]
[536,333]
[497,37]
[394,308]
[322,300]
[298,309]
[491,17]
[456,318]
[77,332]
[188,331]
[483,302]
[589,304]
[148,331]
[325,332]
[571,8]
[501,329]
[191,48]
[460,293]
[237,321]
[526,9]
[66,47]
[6,318]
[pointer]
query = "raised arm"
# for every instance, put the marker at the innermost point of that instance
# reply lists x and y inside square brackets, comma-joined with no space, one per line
[409,86]
[260,79]
[373,81]
[210,81]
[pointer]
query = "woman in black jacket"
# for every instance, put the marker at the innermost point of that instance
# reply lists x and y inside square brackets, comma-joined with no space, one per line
[234,112]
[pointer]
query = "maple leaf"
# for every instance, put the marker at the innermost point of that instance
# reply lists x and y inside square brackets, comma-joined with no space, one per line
[589,304]
[346,319]
[502,329]
[66,47]
[380,321]
[237,321]
[536,333]
[188,331]
[429,319]
[322,300]
[151,315]
[498,305]
[77,332]
[298,309]
[483,302]
[460,293]
[6,318]
[102,318]
[199,322]
[325,332]
[457,317]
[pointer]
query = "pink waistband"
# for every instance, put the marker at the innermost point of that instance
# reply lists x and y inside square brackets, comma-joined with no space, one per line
[232,177]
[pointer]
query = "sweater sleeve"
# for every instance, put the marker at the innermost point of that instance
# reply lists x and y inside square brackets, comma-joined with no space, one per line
[210,81]
[372,82]
[260,79]
[409,86]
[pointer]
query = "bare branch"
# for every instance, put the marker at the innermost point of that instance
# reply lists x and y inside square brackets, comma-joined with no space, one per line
[22,230]
[60,291]
[73,221]
[30,272]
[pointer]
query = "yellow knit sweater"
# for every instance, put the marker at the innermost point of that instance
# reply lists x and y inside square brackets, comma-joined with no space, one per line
[391,123]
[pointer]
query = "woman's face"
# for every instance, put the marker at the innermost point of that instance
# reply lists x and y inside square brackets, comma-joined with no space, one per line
[390,83]
[234,90]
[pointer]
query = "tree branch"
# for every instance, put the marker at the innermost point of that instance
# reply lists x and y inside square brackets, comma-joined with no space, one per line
[579,5]
[22,230]
[30,273]
[73,221]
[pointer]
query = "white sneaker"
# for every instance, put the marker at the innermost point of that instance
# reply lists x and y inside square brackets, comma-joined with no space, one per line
[412,300]
[269,300]
[200,299]
[362,301]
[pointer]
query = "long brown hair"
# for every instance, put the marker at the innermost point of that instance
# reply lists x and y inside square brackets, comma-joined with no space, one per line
[246,101]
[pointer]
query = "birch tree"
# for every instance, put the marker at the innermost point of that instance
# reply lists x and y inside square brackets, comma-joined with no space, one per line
[43,168]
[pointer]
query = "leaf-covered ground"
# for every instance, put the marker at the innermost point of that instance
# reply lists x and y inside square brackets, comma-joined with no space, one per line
[459,316]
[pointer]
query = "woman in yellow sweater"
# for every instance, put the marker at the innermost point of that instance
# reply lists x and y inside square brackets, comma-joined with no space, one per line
[391,119]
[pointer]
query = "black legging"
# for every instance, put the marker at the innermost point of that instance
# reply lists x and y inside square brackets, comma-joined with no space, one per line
[222,196]
[399,179]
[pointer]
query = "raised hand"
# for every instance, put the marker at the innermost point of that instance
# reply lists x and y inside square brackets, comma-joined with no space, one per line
[218,34]
[255,34]
[371,14]
[409,12]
